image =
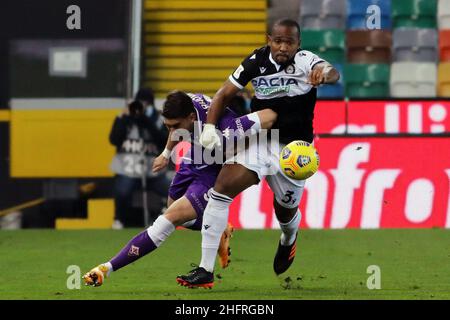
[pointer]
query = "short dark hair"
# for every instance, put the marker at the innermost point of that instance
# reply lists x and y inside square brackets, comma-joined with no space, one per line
[177,105]
[286,23]
[145,94]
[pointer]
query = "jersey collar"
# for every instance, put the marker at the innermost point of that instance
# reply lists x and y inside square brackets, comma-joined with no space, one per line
[273,62]
[278,66]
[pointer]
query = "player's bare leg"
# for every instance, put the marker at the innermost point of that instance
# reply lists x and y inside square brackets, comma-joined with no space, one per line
[289,219]
[232,180]
[180,212]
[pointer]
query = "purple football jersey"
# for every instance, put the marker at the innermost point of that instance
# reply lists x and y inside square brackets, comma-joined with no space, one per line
[195,176]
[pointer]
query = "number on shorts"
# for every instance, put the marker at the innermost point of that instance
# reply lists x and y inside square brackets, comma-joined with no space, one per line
[288,197]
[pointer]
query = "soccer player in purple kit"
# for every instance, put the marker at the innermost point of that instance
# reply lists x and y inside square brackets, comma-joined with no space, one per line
[188,192]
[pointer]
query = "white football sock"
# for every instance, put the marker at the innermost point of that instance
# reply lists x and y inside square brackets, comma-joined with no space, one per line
[189,223]
[256,127]
[290,229]
[110,268]
[215,220]
[160,230]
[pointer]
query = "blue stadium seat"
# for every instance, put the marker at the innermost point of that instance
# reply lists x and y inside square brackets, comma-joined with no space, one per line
[357,11]
[335,90]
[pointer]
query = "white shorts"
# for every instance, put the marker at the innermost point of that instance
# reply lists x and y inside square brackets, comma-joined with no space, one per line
[263,159]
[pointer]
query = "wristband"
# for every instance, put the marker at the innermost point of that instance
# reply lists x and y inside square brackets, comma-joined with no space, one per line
[166,153]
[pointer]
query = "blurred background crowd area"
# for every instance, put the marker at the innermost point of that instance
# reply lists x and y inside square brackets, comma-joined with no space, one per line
[61,89]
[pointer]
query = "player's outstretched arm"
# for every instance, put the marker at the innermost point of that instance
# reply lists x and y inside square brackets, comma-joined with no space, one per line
[220,100]
[162,160]
[323,73]
[209,138]
[251,123]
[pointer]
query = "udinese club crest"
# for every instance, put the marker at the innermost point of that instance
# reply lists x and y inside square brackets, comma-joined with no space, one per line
[290,69]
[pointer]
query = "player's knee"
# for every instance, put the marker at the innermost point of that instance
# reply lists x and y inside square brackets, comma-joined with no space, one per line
[233,179]
[222,186]
[285,212]
[269,118]
[177,217]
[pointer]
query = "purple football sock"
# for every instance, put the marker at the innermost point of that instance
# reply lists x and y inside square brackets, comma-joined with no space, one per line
[138,247]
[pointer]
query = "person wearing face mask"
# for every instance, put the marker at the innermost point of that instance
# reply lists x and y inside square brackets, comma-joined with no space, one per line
[139,136]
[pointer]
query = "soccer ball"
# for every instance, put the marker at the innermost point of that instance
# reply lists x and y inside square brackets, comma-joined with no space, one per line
[299,160]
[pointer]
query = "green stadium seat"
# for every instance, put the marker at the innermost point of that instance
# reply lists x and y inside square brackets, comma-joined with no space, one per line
[414,13]
[366,80]
[328,44]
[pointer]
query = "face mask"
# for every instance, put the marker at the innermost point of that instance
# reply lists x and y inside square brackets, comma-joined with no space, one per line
[149,111]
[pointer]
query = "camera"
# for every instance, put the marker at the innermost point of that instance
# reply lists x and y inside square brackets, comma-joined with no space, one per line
[136,108]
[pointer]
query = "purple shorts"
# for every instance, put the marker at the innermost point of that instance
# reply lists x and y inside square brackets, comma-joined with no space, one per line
[194,184]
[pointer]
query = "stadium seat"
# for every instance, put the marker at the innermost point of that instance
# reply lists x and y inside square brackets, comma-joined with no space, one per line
[328,44]
[323,14]
[366,80]
[414,44]
[444,79]
[335,90]
[444,14]
[414,13]
[369,46]
[444,45]
[282,9]
[357,12]
[412,79]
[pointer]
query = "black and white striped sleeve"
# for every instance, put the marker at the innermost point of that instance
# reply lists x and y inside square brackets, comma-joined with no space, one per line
[312,60]
[246,71]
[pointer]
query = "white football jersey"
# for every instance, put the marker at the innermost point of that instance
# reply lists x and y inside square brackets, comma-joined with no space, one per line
[283,88]
[271,80]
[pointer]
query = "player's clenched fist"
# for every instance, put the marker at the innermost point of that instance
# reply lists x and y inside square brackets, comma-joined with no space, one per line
[316,76]
[209,138]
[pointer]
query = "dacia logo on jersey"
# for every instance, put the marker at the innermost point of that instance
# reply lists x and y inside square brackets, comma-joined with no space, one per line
[274,82]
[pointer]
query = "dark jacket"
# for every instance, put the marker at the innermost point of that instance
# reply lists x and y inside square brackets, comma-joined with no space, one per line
[148,126]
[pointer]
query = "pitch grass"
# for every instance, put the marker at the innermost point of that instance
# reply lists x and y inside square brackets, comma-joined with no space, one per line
[330,264]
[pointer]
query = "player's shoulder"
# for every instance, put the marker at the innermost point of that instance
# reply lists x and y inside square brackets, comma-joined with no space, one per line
[302,54]
[306,57]
[200,101]
[258,55]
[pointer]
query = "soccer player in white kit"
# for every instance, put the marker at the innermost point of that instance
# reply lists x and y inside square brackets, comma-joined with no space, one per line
[285,78]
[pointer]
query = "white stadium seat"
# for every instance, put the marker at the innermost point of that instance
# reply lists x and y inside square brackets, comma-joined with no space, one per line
[412,79]
[444,14]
